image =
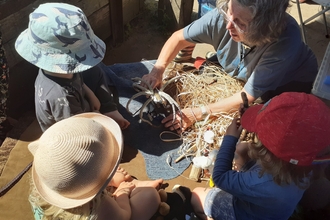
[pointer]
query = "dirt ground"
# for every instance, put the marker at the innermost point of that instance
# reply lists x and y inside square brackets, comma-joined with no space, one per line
[143,41]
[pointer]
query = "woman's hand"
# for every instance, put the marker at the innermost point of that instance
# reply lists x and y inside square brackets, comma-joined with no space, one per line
[154,78]
[181,121]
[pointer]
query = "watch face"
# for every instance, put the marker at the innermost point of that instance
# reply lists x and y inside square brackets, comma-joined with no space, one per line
[204,111]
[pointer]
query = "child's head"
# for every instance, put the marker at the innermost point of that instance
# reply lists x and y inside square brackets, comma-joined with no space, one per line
[293,126]
[59,39]
[75,159]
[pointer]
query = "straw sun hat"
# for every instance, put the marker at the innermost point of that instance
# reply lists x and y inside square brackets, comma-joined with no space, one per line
[60,39]
[75,159]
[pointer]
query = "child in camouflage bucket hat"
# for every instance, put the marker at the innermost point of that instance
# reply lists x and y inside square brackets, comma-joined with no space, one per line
[60,41]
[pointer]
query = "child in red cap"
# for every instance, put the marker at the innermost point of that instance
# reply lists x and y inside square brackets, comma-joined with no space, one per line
[292,129]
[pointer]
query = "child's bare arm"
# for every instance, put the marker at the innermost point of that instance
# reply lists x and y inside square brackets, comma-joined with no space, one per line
[115,115]
[92,99]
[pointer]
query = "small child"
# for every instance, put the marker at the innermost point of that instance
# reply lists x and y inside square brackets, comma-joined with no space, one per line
[60,41]
[74,161]
[292,129]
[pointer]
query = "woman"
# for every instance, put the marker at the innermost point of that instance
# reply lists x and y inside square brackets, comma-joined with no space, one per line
[256,41]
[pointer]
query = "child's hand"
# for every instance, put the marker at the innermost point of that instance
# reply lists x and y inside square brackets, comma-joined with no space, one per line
[234,129]
[244,105]
[115,115]
[124,188]
[241,109]
[94,102]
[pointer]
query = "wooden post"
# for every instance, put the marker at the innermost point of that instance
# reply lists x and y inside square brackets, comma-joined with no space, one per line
[117,21]
[161,8]
[185,12]
[182,10]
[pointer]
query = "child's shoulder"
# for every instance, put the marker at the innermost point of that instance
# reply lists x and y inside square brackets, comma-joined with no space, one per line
[53,86]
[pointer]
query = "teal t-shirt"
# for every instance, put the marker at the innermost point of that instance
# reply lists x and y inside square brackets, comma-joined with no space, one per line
[38,213]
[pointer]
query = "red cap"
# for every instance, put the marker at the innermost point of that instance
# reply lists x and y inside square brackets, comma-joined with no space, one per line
[294,126]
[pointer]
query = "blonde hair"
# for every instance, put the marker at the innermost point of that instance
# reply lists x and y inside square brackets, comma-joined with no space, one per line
[283,172]
[87,211]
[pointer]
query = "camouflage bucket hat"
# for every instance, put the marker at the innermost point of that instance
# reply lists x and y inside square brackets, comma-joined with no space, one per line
[60,39]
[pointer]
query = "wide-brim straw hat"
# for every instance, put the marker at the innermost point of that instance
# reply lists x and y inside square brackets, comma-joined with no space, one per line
[60,39]
[76,158]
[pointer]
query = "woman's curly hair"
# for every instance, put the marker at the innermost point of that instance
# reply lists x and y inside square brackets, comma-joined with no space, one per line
[268,22]
[283,172]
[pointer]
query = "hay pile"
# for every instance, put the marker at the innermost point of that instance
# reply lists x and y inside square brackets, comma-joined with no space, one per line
[198,88]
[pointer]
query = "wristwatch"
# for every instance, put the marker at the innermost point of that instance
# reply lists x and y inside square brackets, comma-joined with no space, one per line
[204,111]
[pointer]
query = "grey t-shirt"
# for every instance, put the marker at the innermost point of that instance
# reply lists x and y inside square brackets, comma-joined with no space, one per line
[266,67]
[58,98]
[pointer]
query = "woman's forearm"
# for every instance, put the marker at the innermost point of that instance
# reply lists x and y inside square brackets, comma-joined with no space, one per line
[229,104]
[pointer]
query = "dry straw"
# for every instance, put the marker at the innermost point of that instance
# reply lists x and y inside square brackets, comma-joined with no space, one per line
[198,88]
